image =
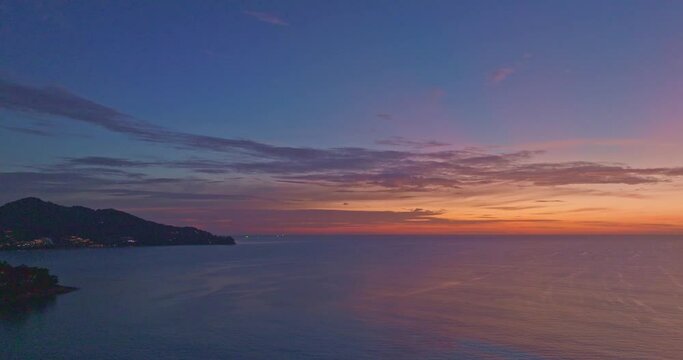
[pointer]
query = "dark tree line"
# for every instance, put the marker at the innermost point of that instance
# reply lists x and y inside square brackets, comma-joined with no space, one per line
[22,281]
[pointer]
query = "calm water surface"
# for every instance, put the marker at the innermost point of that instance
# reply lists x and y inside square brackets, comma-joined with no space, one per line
[360,298]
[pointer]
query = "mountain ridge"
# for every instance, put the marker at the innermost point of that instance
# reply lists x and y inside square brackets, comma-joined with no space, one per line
[34,223]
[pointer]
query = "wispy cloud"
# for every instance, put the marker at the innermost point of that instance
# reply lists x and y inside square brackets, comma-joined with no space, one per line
[62,103]
[400,141]
[504,72]
[107,161]
[384,116]
[501,74]
[414,172]
[104,182]
[407,169]
[26,130]
[269,18]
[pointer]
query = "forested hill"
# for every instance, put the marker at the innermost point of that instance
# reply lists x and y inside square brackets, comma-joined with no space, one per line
[34,223]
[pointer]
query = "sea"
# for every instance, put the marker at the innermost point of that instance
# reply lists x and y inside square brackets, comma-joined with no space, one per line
[359,297]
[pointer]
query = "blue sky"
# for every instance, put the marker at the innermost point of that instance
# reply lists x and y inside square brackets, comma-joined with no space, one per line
[382,75]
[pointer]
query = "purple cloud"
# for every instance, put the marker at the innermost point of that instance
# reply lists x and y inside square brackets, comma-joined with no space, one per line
[409,170]
[501,74]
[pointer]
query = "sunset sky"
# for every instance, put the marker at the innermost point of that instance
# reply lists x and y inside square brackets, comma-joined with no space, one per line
[439,117]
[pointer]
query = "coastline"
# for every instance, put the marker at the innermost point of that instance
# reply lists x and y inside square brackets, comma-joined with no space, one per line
[40,294]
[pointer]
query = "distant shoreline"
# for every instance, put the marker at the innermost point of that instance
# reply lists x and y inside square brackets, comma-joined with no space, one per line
[12,249]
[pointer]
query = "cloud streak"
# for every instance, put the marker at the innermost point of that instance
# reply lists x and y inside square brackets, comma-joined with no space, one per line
[62,103]
[269,18]
[501,74]
[400,141]
[398,169]
[24,130]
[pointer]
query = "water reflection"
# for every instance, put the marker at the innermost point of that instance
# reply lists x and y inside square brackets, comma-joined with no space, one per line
[17,314]
[582,298]
[363,298]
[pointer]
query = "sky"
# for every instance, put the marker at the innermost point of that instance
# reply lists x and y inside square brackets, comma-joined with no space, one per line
[336,117]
